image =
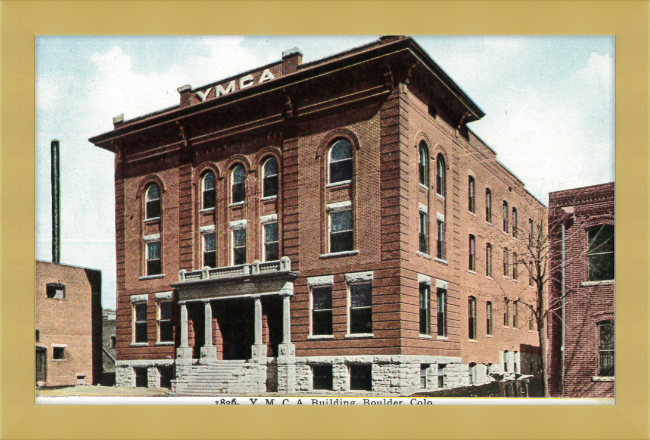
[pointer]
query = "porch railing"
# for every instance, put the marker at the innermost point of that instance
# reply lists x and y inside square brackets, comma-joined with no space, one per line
[254,268]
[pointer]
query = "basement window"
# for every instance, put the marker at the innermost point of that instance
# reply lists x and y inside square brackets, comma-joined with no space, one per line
[361,377]
[322,377]
[55,291]
[141,377]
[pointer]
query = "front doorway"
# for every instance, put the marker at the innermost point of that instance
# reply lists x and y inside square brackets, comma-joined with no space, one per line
[235,319]
[41,365]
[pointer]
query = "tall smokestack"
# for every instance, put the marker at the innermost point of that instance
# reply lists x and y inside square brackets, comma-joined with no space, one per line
[56,204]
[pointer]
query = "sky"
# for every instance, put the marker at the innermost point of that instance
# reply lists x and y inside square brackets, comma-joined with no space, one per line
[548,100]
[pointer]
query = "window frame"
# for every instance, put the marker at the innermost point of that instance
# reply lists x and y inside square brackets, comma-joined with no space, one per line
[506,262]
[58,289]
[58,349]
[506,312]
[441,175]
[204,252]
[440,240]
[328,376]
[330,162]
[488,205]
[233,246]
[590,252]
[515,314]
[515,268]
[472,252]
[601,351]
[266,243]
[423,242]
[425,321]
[423,164]
[330,232]
[136,323]
[148,260]
[515,220]
[441,312]
[488,318]
[506,216]
[441,375]
[488,260]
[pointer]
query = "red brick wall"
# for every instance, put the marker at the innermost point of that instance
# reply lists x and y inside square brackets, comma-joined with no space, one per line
[74,321]
[586,306]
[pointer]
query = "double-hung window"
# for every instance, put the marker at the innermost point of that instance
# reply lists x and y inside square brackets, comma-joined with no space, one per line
[238,246]
[238,184]
[271,243]
[210,249]
[505,217]
[488,205]
[341,234]
[360,308]
[488,318]
[441,175]
[505,262]
[515,315]
[601,253]
[270,177]
[440,244]
[140,322]
[471,194]
[514,222]
[424,309]
[209,193]
[154,266]
[441,304]
[515,265]
[472,253]
[424,236]
[606,348]
[321,310]
[488,260]
[471,324]
[165,326]
[506,312]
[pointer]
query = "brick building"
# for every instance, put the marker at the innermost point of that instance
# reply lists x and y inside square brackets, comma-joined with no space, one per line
[330,226]
[68,325]
[588,218]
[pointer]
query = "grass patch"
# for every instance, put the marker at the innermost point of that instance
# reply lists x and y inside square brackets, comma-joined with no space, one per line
[98,390]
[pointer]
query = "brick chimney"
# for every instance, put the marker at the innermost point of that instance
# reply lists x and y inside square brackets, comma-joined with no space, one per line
[118,120]
[185,92]
[291,59]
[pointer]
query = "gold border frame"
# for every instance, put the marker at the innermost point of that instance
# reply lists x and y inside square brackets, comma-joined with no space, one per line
[22,20]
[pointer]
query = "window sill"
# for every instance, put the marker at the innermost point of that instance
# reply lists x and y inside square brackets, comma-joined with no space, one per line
[489,277]
[152,277]
[505,233]
[441,261]
[59,360]
[473,214]
[472,340]
[424,187]
[506,277]
[339,254]
[515,280]
[206,210]
[335,184]
[237,204]
[440,196]
[597,283]
[602,379]
[488,223]
[264,199]
[442,338]
[310,337]
[152,220]
[489,336]
[422,254]
[139,344]
[359,335]
[472,272]
[164,343]
[425,336]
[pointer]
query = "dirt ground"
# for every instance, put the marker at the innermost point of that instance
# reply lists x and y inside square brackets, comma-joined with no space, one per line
[98,390]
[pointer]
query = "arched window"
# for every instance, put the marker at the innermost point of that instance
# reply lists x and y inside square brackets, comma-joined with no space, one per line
[208,188]
[423,164]
[340,161]
[471,194]
[238,184]
[270,177]
[153,201]
[472,318]
[441,175]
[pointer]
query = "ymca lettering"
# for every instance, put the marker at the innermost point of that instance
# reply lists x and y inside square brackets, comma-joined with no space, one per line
[243,82]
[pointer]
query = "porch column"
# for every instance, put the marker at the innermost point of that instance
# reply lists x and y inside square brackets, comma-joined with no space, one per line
[286,319]
[184,352]
[208,351]
[258,349]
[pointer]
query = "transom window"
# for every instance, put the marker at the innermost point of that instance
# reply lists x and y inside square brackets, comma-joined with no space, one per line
[270,177]
[271,243]
[153,201]
[606,348]
[208,183]
[154,266]
[441,175]
[423,164]
[340,161]
[165,328]
[360,308]
[322,310]
[140,322]
[341,233]
[210,249]
[601,253]
[238,184]
[471,194]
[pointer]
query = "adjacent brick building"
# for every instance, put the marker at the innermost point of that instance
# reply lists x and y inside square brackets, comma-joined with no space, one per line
[68,325]
[588,218]
[324,226]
